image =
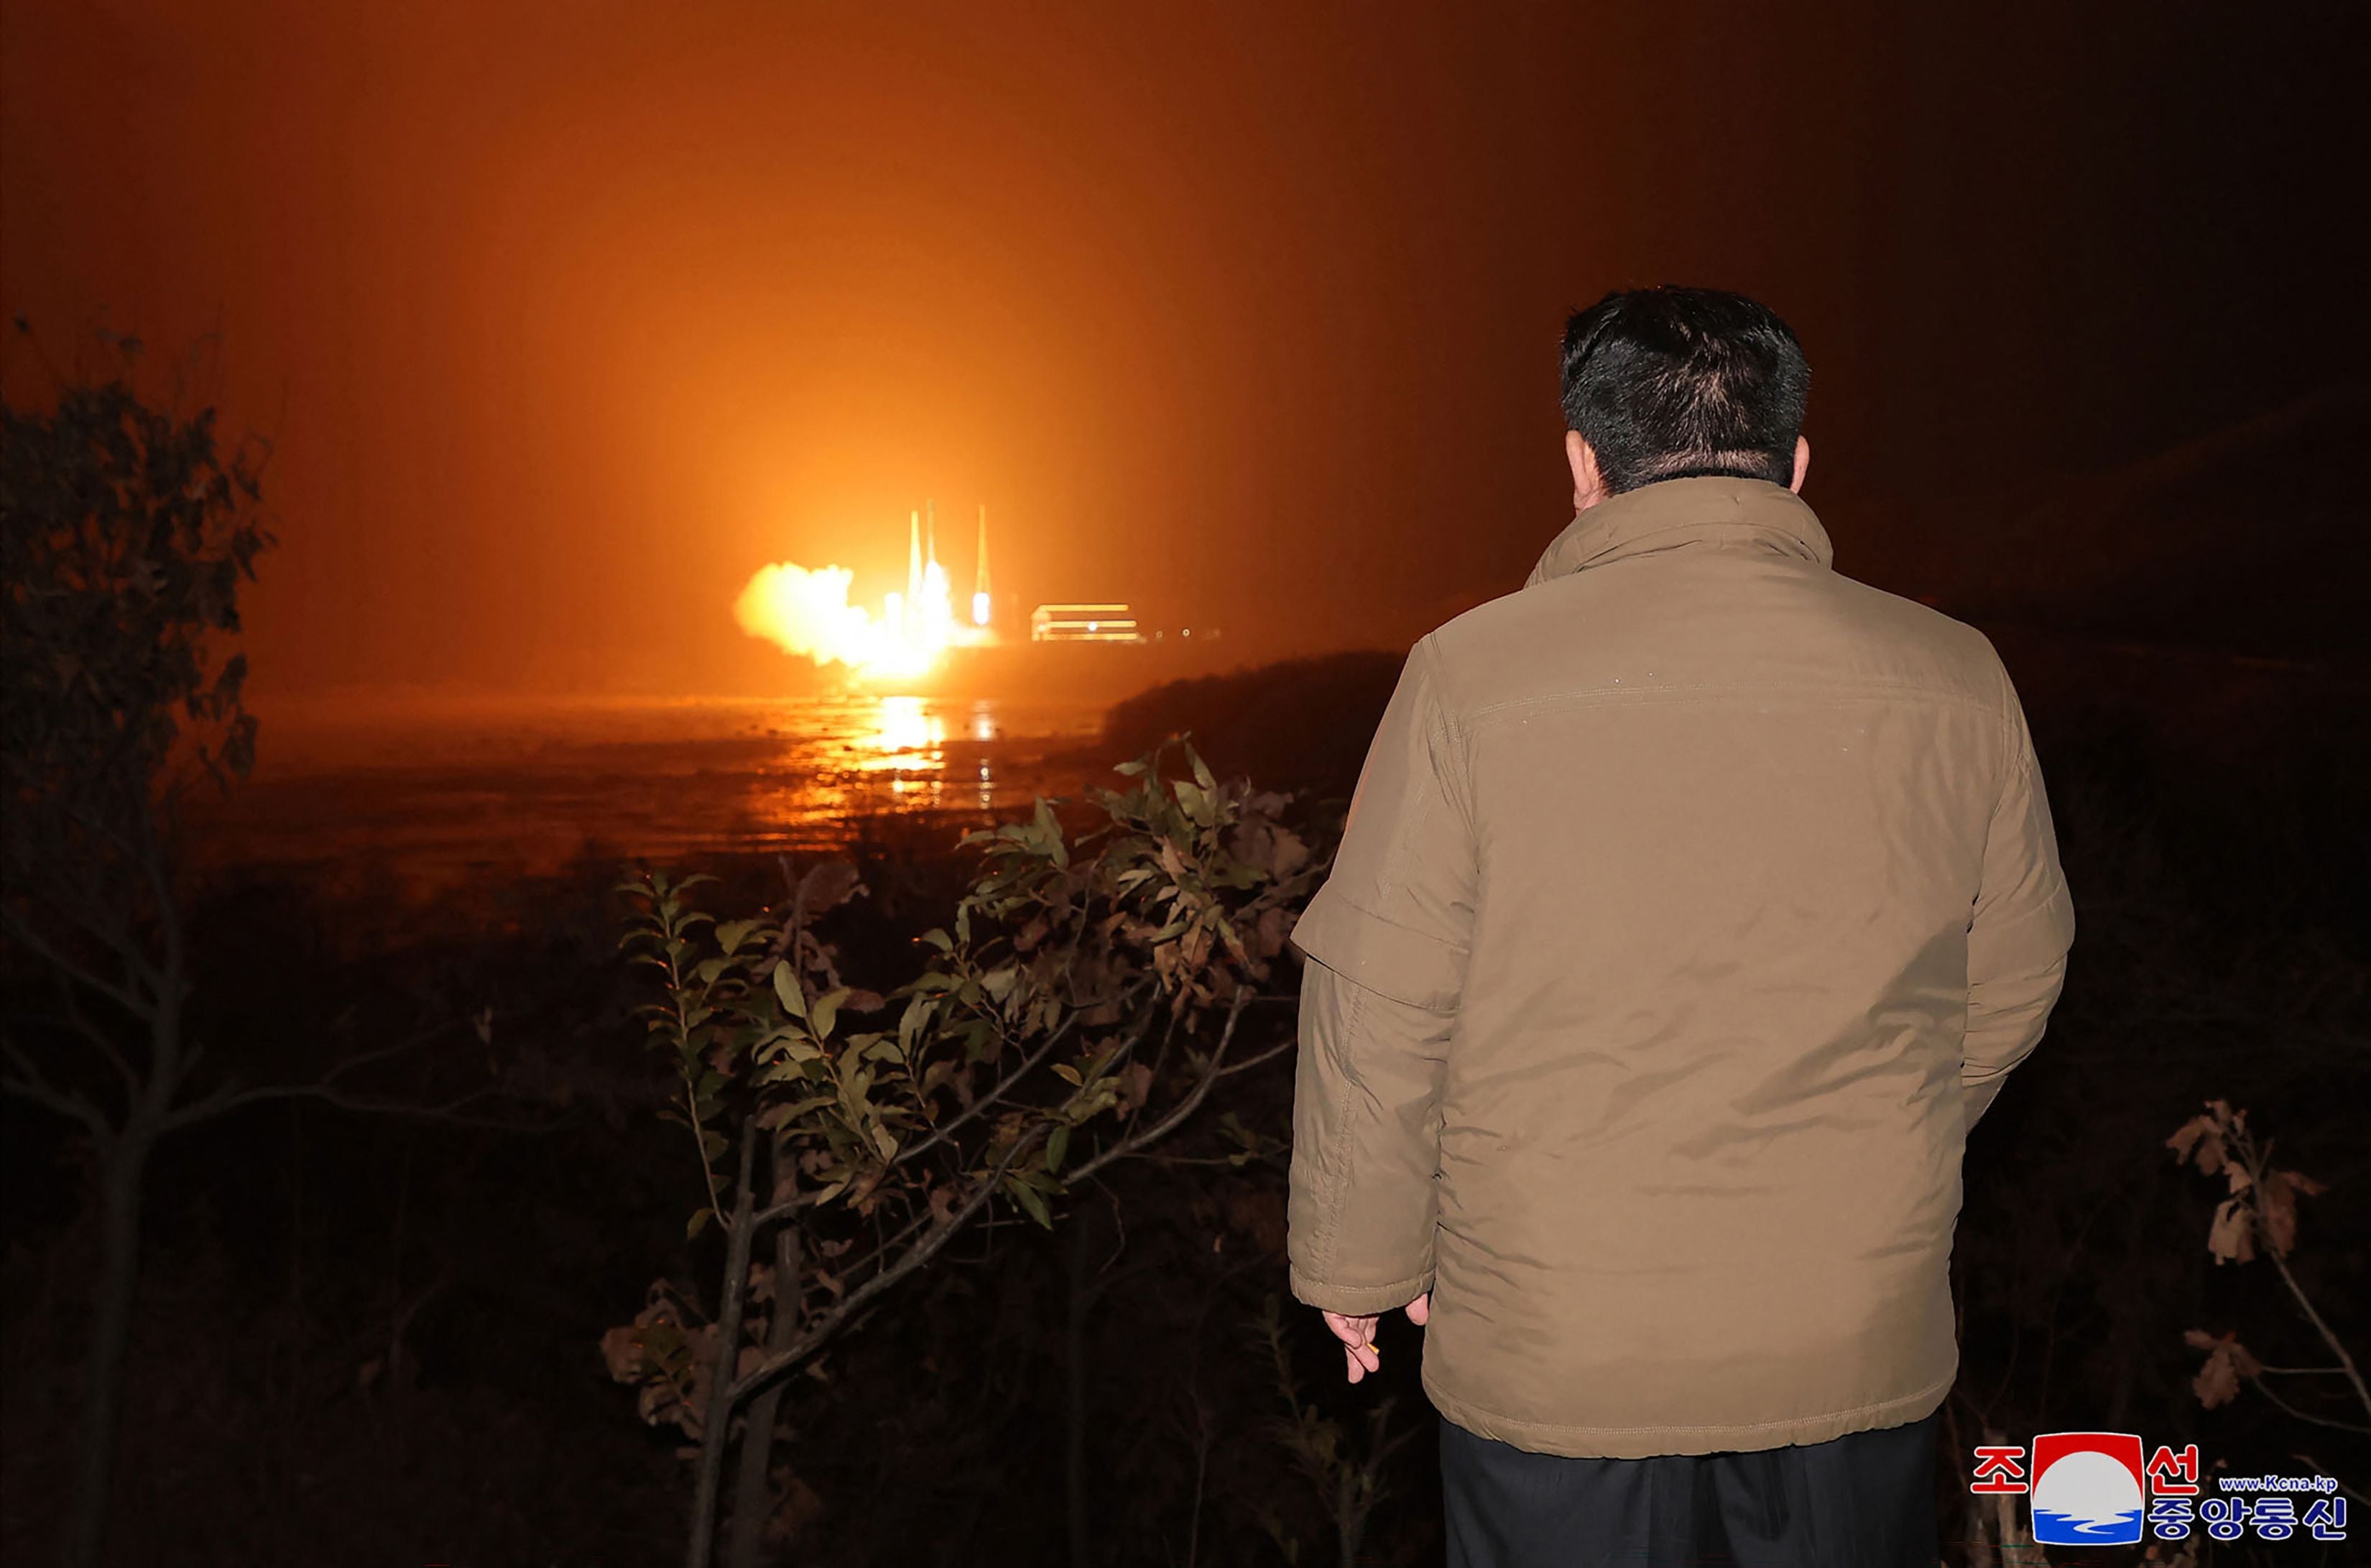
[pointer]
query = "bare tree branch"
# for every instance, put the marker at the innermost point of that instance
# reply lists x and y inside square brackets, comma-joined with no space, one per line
[104,917]
[122,995]
[2264,1388]
[230,1097]
[2257,1159]
[2329,1335]
[449,1112]
[98,1037]
[1273,1052]
[995,1093]
[2320,1468]
[786,1208]
[1184,1108]
[26,1083]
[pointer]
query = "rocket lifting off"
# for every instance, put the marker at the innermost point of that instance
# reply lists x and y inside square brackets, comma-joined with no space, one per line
[808,612]
[979,600]
[913,595]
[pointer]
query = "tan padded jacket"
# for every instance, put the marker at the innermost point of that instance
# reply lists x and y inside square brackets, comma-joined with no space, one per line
[1695,902]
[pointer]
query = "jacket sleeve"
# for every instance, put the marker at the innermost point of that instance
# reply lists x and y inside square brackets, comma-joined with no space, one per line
[2021,928]
[1386,940]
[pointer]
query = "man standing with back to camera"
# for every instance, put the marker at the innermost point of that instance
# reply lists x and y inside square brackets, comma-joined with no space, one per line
[1695,902]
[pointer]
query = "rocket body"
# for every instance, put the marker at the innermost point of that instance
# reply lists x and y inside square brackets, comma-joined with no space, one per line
[980,599]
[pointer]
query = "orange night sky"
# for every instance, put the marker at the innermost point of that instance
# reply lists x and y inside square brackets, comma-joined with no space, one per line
[567,318]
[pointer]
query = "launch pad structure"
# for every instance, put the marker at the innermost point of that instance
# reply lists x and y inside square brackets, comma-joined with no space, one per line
[928,595]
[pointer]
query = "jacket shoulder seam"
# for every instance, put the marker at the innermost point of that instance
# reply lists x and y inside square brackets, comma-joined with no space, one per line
[1639,696]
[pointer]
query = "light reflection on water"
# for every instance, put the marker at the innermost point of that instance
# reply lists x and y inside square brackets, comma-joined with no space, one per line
[451,794]
[906,726]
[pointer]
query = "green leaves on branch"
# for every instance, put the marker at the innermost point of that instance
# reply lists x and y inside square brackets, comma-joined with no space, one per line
[1071,1010]
[1085,931]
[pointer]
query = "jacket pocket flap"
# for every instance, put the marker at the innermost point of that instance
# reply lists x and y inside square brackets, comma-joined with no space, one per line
[1390,960]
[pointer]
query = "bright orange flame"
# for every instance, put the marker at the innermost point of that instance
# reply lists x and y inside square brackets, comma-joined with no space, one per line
[807,612]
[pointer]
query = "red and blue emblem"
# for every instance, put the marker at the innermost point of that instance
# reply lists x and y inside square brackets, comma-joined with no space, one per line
[2086,1489]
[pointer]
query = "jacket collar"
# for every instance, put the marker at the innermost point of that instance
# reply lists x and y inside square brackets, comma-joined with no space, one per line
[1725,513]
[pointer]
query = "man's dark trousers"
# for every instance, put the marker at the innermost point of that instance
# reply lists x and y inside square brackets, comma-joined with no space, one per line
[1862,1501]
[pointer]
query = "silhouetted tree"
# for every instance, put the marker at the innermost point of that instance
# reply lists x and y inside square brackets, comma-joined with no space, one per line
[127,533]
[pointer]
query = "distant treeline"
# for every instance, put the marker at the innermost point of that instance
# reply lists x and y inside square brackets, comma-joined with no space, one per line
[1299,725]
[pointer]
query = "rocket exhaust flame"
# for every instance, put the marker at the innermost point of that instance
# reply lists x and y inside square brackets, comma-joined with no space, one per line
[806,612]
[979,600]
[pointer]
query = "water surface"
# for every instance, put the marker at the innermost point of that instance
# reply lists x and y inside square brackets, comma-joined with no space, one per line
[442,793]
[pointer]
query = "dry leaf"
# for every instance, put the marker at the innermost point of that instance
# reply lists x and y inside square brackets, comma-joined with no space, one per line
[1267,939]
[2277,1201]
[2202,1136]
[2217,1383]
[801,1505]
[2228,1361]
[2232,1238]
[622,1349]
[1135,1087]
[827,885]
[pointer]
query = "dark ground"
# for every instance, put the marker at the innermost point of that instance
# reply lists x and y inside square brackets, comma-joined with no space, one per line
[373,1339]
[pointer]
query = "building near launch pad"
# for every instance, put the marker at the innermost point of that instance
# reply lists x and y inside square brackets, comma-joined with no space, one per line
[1084,623]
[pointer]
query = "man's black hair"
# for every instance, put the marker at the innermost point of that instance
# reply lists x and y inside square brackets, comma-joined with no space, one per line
[1671,383]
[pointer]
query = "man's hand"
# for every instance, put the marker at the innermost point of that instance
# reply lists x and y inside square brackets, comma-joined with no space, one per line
[1358,1335]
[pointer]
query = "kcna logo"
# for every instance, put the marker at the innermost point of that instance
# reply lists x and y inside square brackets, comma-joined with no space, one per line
[2091,1488]
[2087,1486]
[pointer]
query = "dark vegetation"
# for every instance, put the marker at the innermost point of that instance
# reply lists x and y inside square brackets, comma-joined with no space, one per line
[372,1305]
[1304,724]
